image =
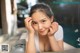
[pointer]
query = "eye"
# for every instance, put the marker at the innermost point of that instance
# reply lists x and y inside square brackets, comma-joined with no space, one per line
[43,20]
[34,22]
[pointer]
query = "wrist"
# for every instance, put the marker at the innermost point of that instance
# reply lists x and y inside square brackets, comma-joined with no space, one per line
[50,36]
[31,34]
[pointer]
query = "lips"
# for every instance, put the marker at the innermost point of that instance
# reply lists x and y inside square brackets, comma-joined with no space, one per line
[41,31]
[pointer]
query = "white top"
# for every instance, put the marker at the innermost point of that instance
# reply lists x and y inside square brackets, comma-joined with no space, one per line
[58,36]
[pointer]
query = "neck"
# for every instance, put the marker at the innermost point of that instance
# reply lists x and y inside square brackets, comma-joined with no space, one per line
[43,37]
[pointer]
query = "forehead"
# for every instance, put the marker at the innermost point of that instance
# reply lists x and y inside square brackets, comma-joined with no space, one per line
[39,16]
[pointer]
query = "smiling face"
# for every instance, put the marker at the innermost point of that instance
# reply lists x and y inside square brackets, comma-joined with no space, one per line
[41,22]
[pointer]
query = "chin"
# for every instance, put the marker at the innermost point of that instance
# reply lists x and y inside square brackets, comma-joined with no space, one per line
[43,34]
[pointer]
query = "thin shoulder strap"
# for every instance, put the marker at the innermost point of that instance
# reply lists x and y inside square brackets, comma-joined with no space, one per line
[37,43]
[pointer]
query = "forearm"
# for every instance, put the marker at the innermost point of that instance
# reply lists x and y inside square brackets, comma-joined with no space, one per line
[30,47]
[54,44]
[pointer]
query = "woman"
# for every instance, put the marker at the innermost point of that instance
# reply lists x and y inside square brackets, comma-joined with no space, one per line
[44,34]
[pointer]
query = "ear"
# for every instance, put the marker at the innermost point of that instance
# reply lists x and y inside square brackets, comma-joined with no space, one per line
[52,17]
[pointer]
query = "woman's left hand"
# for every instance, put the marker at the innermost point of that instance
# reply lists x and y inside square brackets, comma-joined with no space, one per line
[53,28]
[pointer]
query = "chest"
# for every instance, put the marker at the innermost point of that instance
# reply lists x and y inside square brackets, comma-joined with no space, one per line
[44,46]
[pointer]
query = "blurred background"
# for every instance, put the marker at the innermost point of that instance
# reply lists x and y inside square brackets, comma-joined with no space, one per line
[66,12]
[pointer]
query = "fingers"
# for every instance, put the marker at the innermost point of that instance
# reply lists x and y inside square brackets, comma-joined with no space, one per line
[53,28]
[28,21]
[50,30]
[28,25]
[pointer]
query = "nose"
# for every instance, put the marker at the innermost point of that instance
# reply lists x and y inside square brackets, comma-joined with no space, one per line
[40,26]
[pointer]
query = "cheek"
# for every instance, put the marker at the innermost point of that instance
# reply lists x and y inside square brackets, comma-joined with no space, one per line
[47,26]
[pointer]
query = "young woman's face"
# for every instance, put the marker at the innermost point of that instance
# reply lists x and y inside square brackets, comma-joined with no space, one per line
[41,23]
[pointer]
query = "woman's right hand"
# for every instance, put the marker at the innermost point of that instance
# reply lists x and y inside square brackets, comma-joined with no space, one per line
[28,25]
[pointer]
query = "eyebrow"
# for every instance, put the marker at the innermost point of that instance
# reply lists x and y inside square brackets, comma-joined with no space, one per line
[44,18]
[40,20]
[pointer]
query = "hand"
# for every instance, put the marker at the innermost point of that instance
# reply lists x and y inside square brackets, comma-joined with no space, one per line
[53,28]
[28,22]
